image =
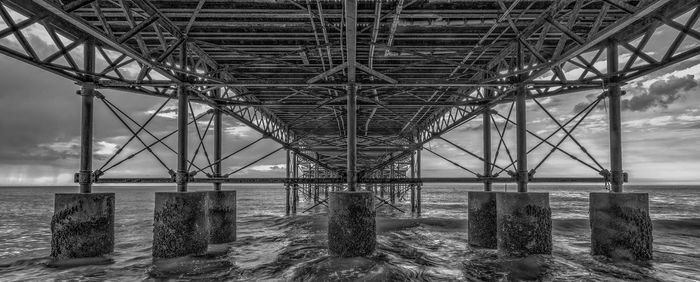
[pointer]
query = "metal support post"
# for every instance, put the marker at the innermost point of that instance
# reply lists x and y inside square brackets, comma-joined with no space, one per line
[295,190]
[86,125]
[351,47]
[182,176]
[521,127]
[413,186]
[218,138]
[615,120]
[316,186]
[287,206]
[486,116]
[352,137]
[418,189]
[392,186]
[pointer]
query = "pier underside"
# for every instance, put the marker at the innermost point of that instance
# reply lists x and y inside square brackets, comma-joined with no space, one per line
[353,91]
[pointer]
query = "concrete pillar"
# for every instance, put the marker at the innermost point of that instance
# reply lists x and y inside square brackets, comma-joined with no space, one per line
[221,214]
[524,224]
[481,218]
[620,225]
[180,225]
[82,225]
[352,228]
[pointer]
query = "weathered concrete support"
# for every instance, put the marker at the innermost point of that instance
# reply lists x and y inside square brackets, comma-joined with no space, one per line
[482,219]
[524,224]
[221,214]
[180,225]
[82,225]
[620,225]
[351,224]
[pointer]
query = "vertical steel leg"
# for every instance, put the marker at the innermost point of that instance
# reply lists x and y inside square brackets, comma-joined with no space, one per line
[392,186]
[486,116]
[295,190]
[352,137]
[615,120]
[413,186]
[521,128]
[182,118]
[418,189]
[218,138]
[86,125]
[287,206]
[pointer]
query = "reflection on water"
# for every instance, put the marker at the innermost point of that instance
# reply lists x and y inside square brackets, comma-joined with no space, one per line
[273,247]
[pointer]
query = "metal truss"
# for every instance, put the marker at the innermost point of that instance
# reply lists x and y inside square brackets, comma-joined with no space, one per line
[289,70]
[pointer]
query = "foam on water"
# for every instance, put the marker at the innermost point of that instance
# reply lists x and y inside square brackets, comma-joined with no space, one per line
[272,247]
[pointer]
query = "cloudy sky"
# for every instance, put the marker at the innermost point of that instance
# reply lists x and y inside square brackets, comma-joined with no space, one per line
[39,118]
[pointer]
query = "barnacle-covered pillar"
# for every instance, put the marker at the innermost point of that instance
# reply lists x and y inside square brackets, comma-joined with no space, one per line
[83,223]
[620,223]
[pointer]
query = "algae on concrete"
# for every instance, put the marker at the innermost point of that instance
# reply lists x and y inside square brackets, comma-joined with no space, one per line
[82,225]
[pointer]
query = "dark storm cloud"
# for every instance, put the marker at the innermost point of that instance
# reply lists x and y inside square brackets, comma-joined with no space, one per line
[589,99]
[659,95]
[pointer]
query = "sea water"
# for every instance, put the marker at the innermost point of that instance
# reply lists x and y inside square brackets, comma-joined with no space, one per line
[275,247]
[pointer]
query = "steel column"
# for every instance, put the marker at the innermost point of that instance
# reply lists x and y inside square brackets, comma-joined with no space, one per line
[392,186]
[413,186]
[287,206]
[486,116]
[521,126]
[418,189]
[615,119]
[218,137]
[316,175]
[86,125]
[351,43]
[182,118]
[295,187]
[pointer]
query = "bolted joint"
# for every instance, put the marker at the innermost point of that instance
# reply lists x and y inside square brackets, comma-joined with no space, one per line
[83,177]
[607,176]
[182,177]
[96,175]
[618,177]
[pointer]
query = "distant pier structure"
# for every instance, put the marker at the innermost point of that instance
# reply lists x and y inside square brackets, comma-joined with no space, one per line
[352,91]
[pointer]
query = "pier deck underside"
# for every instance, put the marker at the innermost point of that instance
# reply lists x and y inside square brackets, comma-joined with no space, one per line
[412,69]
